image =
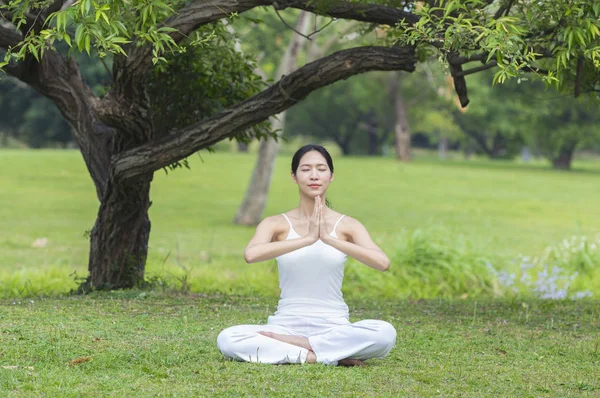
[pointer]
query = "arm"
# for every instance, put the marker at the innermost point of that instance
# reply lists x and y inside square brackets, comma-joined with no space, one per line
[262,247]
[361,247]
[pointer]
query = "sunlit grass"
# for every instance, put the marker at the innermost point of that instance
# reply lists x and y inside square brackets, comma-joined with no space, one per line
[140,344]
[500,209]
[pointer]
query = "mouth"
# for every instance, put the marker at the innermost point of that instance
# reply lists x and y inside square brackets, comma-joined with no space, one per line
[315,186]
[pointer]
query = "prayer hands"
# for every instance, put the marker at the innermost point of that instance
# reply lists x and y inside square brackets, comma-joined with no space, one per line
[315,221]
[317,228]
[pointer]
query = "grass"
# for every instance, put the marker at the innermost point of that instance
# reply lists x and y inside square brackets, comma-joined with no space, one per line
[437,215]
[500,209]
[151,344]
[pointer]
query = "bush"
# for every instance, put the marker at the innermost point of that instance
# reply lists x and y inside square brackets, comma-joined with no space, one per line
[426,263]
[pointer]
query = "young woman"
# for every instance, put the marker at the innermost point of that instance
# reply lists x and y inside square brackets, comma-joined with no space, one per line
[311,243]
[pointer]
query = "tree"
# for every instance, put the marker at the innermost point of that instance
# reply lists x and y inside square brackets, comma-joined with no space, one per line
[116,131]
[557,125]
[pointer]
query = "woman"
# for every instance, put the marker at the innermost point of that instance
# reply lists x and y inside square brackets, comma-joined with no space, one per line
[311,243]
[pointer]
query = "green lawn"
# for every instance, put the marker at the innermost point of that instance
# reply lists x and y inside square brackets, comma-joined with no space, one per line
[500,209]
[148,344]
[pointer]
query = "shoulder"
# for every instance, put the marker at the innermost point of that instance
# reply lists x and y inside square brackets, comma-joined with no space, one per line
[349,222]
[274,221]
[350,227]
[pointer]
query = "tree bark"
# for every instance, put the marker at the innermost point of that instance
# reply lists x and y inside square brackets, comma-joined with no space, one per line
[252,207]
[373,140]
[564,158]
[443,148]
[242,147]
[119,239]
[498,146]
[401,128]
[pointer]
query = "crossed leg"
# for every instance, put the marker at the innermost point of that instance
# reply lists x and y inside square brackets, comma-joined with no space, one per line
[304,343]
[347,345]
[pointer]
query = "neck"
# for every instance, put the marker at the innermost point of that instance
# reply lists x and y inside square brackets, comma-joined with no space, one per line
[307,206]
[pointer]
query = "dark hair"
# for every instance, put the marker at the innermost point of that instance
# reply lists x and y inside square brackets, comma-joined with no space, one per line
[303,151]
[307,148]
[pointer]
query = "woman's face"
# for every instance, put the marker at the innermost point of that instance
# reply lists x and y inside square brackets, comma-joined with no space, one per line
[313,174]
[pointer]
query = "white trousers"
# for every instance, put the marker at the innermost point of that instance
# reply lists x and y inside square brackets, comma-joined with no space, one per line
[331,340]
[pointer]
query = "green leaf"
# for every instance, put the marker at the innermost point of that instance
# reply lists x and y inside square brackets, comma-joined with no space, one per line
[167,29]
[118,39]
[67,38]
[87,44]
[79,36]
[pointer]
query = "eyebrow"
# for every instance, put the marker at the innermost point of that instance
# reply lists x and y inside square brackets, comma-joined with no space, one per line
[310,164]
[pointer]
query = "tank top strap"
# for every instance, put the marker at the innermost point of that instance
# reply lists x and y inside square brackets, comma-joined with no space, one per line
[288,220]
[336,224]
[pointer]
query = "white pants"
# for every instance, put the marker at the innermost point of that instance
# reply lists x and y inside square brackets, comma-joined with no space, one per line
[331,340]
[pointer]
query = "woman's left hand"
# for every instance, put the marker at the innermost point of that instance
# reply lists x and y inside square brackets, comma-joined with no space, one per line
[323,233]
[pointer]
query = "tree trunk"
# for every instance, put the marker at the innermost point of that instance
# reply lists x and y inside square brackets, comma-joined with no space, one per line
[564,158]
[344,144]
[498,146]
[401,128]
[102,129]
[372,137]
[242,147]
[443,147]
[119,239]
[252,207]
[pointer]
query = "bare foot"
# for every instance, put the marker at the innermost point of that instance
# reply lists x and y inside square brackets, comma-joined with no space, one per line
[351,362]
[293,340]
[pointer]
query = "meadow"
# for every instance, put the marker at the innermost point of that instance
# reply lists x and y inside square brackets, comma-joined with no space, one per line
[454,231]
[150,344]
[459,213]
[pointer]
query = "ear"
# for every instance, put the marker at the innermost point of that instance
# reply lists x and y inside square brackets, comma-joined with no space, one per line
[331,177]
[294,178]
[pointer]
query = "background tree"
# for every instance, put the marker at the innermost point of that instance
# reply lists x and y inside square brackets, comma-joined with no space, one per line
[356,114]
[559,125]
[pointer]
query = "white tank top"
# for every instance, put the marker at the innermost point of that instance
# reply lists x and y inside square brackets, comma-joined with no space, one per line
[310,279]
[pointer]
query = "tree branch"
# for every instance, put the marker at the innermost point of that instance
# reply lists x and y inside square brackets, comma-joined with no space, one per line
[460,83]
[201,12]
[9,35]
[478,69]
[129,71]
[277,98]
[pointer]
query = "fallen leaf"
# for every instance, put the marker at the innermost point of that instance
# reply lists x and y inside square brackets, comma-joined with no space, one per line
[79,361]
[40,242]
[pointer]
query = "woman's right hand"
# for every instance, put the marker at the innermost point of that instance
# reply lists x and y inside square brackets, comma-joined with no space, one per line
[315,221]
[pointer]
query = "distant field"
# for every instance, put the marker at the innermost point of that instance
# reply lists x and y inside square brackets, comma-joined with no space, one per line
[500,208]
